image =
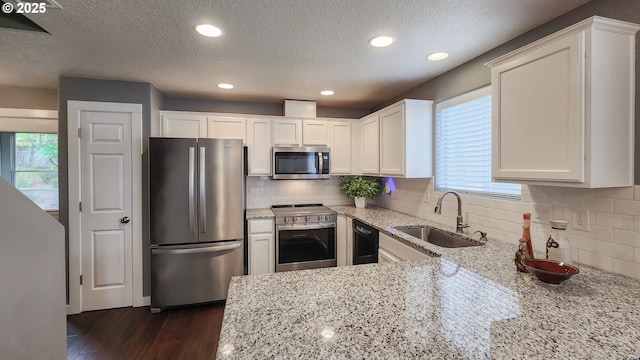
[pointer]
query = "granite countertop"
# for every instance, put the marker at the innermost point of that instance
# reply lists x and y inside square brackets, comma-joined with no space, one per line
[253,214]
[468,303]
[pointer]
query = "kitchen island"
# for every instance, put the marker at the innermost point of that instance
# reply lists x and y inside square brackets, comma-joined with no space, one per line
[468,303]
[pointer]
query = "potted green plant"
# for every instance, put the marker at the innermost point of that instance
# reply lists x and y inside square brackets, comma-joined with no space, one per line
[359,188]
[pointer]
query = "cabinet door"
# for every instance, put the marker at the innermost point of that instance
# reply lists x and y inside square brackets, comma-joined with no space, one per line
[392,141]
[314,132]
[386,257]
[183,125]
[398,249]
[537,122]
[341,149]
[341,238]
[349,259]
[371,146]
[219,127]
[259,147]
[261,254]
[287,132]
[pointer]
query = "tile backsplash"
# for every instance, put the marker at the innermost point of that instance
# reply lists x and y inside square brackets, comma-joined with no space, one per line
[611,244]
[262,192]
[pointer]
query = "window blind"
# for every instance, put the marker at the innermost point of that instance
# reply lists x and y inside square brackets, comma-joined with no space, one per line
[463,147]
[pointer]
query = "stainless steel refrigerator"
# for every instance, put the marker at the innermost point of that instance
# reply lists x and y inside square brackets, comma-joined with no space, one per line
[196,196]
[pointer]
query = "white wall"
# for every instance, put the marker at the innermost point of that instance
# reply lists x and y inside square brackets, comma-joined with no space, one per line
[262,192]
[612,244]
[32,280]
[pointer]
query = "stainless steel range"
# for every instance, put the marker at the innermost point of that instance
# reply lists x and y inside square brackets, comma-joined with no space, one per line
[305,236]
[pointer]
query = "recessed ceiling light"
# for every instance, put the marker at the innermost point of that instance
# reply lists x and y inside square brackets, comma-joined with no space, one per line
[437,56]
[381,41]
[326,92]
[208,30]
[225,86]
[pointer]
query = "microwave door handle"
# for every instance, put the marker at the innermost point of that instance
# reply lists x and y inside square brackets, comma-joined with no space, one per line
[320,163]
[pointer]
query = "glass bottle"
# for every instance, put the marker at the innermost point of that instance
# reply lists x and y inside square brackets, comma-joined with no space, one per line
[558,246]
[521,255]
[526,234]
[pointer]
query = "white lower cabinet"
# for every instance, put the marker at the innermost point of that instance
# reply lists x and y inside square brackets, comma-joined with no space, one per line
[349,260]
[392,250]
[262,246]
[341,240]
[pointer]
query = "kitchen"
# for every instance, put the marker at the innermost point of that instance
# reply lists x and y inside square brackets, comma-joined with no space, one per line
[613,217]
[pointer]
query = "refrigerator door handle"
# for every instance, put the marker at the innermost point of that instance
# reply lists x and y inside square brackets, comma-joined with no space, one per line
[203,189]
[192,202]
[208,249]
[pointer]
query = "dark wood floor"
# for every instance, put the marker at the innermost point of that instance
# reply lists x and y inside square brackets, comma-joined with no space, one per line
[135,333]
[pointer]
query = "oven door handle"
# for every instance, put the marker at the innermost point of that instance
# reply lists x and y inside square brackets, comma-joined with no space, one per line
[304,226]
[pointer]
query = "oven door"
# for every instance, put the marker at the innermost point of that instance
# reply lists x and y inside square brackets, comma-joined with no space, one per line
[305,246]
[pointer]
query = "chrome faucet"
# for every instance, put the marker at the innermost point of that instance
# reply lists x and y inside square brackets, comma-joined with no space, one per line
[460,225]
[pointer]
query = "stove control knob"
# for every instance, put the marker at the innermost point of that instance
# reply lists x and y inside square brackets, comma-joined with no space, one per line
[294,219]
[286,219]
[326,217]
[307,218]
[319,218]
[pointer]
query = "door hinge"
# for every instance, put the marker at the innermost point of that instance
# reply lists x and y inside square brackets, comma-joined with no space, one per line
[80,279]
[80,206]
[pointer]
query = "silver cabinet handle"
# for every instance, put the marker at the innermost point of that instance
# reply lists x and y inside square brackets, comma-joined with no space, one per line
[203,189]
[192,202]
[195,250]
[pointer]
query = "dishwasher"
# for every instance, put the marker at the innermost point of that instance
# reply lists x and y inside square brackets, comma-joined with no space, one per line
[365,243]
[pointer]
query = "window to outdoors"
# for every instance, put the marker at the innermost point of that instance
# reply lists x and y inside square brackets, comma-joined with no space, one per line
[463,147]
[30,163]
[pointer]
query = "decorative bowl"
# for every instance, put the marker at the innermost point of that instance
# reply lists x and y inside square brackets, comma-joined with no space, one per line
[550,271]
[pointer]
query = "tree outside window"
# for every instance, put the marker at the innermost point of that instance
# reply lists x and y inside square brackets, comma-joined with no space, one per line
[36,167]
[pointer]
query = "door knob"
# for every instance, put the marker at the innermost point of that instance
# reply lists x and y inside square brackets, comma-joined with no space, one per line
[125,220]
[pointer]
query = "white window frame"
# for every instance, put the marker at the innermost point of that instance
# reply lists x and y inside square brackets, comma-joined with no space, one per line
[28,120]
[457,100]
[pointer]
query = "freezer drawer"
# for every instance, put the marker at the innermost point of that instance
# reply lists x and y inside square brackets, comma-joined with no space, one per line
[182,275]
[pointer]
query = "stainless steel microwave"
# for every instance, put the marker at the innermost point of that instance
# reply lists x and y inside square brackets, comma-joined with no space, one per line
[300,163]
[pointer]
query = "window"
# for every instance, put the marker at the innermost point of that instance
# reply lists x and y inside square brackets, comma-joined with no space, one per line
[30,162]
[463,147]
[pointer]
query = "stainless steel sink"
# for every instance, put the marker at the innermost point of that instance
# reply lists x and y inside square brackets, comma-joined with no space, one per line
[438,236]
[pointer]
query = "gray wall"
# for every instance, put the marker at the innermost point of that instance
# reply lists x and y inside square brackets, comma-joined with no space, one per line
[32,278]
[28,98]
[254,108]
[475,74]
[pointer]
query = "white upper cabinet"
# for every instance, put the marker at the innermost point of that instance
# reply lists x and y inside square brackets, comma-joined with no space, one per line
[182,125]
[340,143]
[396,141]
[258,146]
[222,127]
[287,132]
[563,108]
[315,132]
[370,154]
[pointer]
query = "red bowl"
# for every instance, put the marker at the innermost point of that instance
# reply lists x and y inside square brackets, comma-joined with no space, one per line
[550,271]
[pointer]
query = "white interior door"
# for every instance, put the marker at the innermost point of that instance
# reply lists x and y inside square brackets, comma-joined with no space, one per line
[106,211]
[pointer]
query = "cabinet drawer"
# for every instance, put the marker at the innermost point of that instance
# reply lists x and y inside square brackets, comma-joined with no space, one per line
[260,226]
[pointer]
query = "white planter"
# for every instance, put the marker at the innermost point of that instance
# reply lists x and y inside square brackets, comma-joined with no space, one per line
[361,202]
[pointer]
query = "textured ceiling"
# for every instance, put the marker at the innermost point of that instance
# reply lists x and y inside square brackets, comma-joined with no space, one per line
[270,49]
